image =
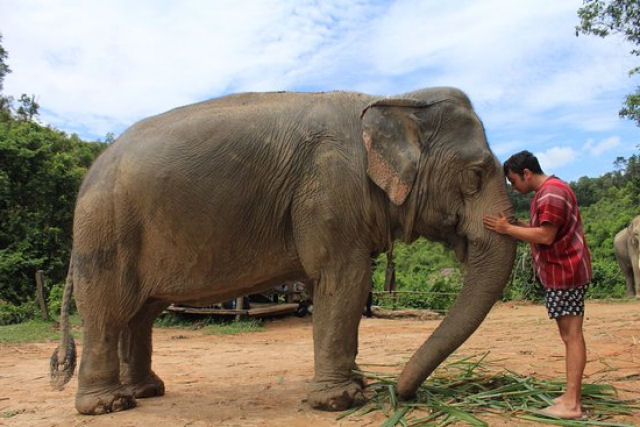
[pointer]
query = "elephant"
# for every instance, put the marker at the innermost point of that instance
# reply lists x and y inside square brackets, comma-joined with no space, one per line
[625,246]
[235,195]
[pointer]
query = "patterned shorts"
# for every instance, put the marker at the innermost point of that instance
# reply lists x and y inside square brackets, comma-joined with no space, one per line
[565,302]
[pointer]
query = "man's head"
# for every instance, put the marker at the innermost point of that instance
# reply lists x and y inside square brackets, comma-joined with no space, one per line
[523,171]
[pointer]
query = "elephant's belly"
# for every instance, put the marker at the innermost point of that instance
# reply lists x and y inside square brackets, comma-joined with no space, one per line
[222,292]
[186,275]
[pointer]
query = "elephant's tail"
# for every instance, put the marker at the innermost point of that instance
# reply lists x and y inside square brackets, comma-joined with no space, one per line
[63,359]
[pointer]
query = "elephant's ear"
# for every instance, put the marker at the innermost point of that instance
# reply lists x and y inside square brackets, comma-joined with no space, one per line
[391,135]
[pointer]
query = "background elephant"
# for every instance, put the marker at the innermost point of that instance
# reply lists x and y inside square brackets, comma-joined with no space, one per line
[235,195]
[625,246]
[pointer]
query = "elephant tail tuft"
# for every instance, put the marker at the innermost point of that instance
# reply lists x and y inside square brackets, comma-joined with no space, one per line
[63,359]
[61,369]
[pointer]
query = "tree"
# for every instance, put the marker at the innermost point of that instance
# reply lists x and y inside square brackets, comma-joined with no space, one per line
[5,103]
[4,68]
[602,18]
[40,172]
[27,107]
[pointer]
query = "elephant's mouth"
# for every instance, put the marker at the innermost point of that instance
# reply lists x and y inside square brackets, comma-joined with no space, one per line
[460,249]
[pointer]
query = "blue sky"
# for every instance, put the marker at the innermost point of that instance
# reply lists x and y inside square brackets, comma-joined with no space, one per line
[98,67]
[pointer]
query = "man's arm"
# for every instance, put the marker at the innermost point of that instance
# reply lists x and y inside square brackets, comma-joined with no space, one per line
[543,235]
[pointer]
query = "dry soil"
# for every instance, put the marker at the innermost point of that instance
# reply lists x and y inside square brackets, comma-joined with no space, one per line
[260,378]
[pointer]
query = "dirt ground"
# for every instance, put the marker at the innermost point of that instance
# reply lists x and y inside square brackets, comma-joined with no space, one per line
[260,378]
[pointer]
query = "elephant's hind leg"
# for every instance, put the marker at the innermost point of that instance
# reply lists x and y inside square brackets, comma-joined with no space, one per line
[135,352]
[99,388]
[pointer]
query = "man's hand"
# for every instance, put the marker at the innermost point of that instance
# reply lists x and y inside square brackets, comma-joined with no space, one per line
[543,235]
[499,224]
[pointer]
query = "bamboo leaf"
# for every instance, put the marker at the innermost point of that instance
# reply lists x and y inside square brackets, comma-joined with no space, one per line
[393,397]
[471,385]
[347,413]
[464,416]
[559,421]
[395,419]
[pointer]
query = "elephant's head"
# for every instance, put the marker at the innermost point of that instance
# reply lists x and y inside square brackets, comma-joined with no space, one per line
[428,151]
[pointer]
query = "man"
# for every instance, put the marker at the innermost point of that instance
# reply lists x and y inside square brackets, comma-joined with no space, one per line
[561,260]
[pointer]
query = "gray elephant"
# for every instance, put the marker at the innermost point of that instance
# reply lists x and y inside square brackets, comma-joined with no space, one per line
[625,246]
[235,195]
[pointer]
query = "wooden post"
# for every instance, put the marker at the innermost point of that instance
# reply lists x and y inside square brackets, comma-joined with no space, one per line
[240,307]
[40,295]
[390,274]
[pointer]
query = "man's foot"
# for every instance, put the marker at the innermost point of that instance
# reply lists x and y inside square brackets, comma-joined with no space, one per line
[564,411]
[559,399]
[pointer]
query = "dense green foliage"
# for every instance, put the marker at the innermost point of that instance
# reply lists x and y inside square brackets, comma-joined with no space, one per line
[39,178]
[427,276]
[614,200]
[40,172]
[603,18]
[4,67]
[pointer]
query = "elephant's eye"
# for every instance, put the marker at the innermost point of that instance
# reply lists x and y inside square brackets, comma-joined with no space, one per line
[471,181]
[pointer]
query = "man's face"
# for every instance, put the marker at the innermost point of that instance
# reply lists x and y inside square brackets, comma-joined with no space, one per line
[520,183]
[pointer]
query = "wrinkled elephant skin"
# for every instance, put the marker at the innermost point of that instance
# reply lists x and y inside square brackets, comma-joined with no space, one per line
[235,195]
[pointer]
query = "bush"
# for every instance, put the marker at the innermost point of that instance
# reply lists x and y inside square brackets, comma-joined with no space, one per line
[54,300]
[10,314]
[40,173]
[608,281]
[211,325]
[523,284]
[426,268]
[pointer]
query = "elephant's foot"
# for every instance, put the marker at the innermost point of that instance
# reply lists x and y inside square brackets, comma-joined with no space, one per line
[336,397]
[151,386]
[103,402]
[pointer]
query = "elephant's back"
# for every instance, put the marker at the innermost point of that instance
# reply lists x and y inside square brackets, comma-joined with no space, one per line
[233,135]
[248,107]
[228,154]
[231,160]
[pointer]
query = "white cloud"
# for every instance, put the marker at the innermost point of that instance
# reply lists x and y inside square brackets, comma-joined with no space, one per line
[123,60]
[98,66]
[601,147]
[555,157]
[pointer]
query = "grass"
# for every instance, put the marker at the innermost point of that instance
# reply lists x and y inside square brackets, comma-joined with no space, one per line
[236,327]
[209,325]
[459,391]
[35,330]
[10,414]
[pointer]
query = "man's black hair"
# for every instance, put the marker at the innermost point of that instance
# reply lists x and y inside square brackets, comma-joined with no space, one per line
[521,161]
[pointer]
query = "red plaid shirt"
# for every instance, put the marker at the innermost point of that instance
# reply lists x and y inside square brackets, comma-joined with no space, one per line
[566,263]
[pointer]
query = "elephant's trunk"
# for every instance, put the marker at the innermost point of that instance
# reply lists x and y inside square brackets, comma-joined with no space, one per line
[486,275]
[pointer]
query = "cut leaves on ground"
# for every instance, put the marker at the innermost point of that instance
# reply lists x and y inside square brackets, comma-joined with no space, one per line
[464,390]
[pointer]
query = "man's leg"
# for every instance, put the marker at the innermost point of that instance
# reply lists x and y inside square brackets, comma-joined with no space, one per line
[569,404]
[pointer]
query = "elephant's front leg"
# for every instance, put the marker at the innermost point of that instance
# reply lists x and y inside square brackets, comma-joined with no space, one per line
[338,301]
[633,261]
